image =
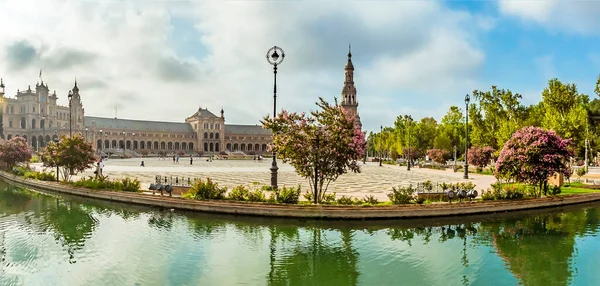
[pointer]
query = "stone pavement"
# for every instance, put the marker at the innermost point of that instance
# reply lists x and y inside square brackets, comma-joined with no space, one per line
[373,180]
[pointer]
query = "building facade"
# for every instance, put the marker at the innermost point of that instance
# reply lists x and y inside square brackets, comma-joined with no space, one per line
[36,116]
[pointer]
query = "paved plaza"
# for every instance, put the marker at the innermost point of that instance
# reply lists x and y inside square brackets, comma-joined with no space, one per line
[373,179]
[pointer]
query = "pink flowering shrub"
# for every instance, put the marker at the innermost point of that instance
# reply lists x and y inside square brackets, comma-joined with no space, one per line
[438,155]
[14,151]
[326,139]
[73,154]
[532,155]
[480,156]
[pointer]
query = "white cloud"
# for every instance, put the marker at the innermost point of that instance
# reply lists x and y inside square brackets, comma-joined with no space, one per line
[582,17]
[123,53]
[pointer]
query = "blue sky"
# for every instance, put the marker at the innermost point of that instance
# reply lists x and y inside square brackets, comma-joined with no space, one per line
[162,60]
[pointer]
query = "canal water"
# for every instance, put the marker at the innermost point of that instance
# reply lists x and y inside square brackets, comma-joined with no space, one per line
[61,240]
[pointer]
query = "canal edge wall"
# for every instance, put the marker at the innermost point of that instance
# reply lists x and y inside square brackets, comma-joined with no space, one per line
[306,211]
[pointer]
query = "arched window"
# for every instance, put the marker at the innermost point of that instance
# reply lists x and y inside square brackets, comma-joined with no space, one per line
[183,146]
[217,147]
[205,147]
[155,145]
[235,147]
[264,147]
[212,147]
[176,145]
[256,147]
[170,145]
[99,144]
[106,144]
[216,135]
[191,146]
[228,146]
[33,123]
[23,123]
[211,135]
[163,146]
[205,135]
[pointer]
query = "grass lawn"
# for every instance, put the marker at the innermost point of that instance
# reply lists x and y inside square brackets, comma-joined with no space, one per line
[578,188]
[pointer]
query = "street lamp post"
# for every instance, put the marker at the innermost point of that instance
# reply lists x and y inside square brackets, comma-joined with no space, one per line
[1,111]
[467,99]
[380,144]
[70,112]
[365,150]
[86,134]
[101,141]
[275,57]
[408,121]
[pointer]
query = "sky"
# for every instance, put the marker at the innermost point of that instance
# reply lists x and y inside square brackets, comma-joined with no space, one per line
[162,60]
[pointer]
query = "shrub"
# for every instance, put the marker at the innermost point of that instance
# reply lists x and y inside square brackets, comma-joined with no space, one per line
[487,195]
[42,176]
[329,198]
[100,183]
[370,199]
[555,190]
[344,200]
[259,196]
[206,190]
[239,193]
[20,170]
[580,172]
[401,195]
[288,195]
[420,200]
[308,196]
[34,159]
[130,185]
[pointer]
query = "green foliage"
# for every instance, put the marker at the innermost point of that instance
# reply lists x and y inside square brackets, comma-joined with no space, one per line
[100,183]
[506,192]
[329,198]
[20,170]
[34,159]
[370,199]
[345,200]
[258,195]
[287,195]
[239,193]
[581,172]
[130,185]
[554,190]
[402,195]
[74,154]
[42,176]
[205,190]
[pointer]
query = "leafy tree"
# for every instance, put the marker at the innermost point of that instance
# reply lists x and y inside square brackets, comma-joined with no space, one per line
[326,140]
[564,110]
[72,154]
[14,151]
[597,89]
[438,155]
[480,156]
[532,155]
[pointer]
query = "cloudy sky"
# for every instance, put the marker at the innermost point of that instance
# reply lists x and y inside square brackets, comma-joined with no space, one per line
[161,60]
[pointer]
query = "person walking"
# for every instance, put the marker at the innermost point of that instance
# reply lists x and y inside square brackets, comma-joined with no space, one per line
[191,160]
[173,159]
[177,159]
[98,170]
[142,165]
[101,166]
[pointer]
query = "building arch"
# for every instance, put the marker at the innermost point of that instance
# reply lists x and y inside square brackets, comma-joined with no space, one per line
[205,147]
[205,135]
[23,123]
[264,147]
[191,146]
[136,145]
[47,139]
[106,144]
[25,137]
[170,145]
[211,135]
[163,146]
[41,140]
[121,144]
[113,144]
[177,146]
[142,145]
[155,145]
[243,147]
[256,147]
[34,142]
[217,146]
[211,147]
[250,147]
[235,147]
[128,144]
[99,144]
[33,123]
[183,146]
[216,135]
[228,147]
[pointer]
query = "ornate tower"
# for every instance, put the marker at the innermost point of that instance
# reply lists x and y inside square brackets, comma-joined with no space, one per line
[78,110]
[349,102]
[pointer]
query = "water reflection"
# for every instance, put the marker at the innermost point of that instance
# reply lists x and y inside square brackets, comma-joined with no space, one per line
[175,248]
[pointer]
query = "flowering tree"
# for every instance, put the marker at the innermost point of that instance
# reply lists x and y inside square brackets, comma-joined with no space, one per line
[480,156]
[326,143]
[532,155]
[438,155]
[14,151]
[72,154]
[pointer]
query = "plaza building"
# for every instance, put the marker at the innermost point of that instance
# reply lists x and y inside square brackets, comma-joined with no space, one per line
[36,116]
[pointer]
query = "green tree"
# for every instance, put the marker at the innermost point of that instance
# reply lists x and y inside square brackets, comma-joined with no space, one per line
[325,144]
[564,111]
[73,154]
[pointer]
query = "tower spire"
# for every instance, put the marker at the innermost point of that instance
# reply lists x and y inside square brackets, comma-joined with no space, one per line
[75,88]
[349,50]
